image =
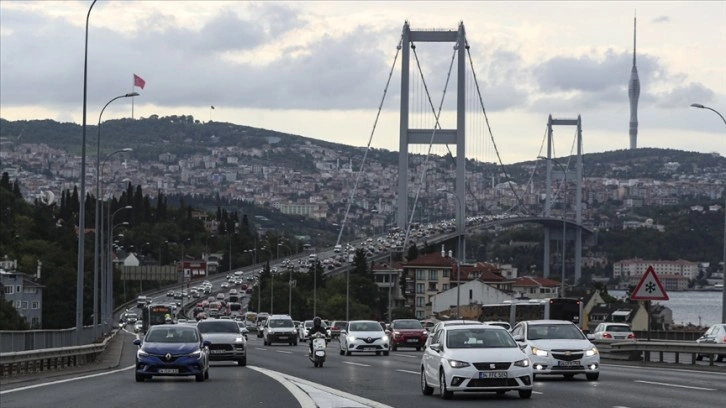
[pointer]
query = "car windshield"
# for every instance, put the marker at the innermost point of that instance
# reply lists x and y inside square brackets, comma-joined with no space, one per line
[178,334]
[554,331]
[365,326]
[407,324]
[479,338]
[276,323]
[619,329]
[217,326]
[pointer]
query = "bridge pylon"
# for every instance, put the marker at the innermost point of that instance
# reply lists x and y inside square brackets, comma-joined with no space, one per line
[410,136]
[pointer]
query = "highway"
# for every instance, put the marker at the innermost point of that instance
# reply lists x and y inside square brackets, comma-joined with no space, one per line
[282,376]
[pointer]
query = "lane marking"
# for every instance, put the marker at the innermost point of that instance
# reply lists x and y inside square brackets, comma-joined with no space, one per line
[356,364]
[409,372]
[675,385]
[342,394]
[284,352]
[302,397]
[406,355]
[679,370]
[260,348]
[66,380]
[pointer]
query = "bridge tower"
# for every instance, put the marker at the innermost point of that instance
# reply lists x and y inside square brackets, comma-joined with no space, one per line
[442,136]
[577,233]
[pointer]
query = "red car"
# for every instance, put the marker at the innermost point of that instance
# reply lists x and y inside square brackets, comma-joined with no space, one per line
[407,333]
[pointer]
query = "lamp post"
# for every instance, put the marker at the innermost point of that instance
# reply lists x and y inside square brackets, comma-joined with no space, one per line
[106,285]
[458,257]
[109,265]
[82,206]
[97,233]
[181,292]
[289,289]
[723,299]
[564,222]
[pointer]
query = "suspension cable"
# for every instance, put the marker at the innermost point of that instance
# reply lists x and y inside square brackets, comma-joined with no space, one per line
[368,147]
[491,135]
[433,135]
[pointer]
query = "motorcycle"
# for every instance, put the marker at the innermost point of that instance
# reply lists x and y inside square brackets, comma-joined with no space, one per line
[319,346]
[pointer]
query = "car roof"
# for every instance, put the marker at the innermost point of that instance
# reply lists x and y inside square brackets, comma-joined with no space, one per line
[539,322]
[468,326]
[457,322]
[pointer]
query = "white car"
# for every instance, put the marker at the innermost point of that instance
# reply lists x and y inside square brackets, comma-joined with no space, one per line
[475,357]
[558,347]
[364,335]
[613,332]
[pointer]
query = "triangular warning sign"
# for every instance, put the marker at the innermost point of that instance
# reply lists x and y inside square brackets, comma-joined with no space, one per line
[649,287]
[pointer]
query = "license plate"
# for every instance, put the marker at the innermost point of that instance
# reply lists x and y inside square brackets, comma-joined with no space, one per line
[412,340]
[569,363]
[619,337]
[218,351]
[493,374]
[282,337]
[168,371]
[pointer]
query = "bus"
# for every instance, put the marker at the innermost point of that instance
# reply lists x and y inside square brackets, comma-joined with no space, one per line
[155,314]
[515,311]
[250,320]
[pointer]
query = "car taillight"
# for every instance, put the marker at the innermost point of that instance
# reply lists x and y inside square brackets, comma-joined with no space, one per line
[724,339]
[631,336]
[607,335]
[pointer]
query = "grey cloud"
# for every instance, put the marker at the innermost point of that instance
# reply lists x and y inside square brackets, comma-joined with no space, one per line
[683,95]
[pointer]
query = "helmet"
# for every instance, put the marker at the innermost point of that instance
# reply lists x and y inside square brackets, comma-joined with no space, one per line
[168,319]
[317,321]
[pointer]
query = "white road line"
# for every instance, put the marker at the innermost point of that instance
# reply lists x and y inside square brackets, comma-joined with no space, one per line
[406,355]
[302,397]
[537,392]
[409,372]
[680,370]
[357,364]
[284,352]
[260,348]
[675,385]
[66,380]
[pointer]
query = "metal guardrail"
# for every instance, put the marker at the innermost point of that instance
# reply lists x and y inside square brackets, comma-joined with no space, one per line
[41,360]
[26,340]
[643,351]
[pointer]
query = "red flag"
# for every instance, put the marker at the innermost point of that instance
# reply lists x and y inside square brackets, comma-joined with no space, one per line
[139,82]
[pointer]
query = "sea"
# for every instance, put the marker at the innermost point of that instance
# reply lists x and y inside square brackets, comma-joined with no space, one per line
[694,307]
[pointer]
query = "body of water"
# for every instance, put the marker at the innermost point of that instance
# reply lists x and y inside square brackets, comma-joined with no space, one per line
[698,308]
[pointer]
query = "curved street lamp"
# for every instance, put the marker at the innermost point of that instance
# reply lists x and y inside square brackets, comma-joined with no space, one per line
[97,245]
[723,299]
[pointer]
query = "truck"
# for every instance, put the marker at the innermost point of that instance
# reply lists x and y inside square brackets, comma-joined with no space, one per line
[142,301]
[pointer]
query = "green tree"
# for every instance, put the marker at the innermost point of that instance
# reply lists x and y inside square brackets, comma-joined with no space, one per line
[10,319]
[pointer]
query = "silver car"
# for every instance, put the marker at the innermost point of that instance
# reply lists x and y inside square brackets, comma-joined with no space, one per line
[227,343]
[364,335]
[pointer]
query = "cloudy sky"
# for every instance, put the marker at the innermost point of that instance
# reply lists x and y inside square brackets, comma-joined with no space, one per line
[319,69]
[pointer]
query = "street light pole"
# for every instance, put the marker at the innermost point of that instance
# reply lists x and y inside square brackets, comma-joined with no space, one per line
[564,222]
[109,261]
[106,284]
[96,231]
[82,205]
[289,289]
[723,299]
[459,256]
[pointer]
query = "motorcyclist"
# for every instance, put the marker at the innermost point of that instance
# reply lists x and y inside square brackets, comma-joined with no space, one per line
[317,328]
[168,319]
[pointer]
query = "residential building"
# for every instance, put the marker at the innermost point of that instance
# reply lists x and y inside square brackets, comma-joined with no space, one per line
[25,294]
[629,268]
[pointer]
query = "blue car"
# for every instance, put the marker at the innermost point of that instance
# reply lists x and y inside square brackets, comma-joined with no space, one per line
[172,350]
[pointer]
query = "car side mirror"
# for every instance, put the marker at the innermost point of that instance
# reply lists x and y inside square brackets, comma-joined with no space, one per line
[435,347]
[137,342]
[522,346]
[343,331]
[388,332]
[206,343]
[591,337]
[518,338]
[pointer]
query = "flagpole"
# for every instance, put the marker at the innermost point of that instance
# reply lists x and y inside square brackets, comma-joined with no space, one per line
[133,85]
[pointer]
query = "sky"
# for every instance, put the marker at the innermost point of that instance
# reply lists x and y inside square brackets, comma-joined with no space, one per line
[319,69]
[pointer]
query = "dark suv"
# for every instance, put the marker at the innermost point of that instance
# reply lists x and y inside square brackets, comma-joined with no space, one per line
[407,333]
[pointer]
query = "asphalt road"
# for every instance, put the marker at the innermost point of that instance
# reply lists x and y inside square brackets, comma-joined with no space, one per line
[282,376]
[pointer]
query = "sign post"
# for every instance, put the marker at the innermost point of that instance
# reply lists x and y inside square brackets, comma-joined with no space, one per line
[649,288]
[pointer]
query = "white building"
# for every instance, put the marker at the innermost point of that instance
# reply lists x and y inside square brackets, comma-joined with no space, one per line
[472,292]
[635,268]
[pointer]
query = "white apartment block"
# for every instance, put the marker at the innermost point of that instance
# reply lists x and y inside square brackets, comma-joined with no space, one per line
[629,268]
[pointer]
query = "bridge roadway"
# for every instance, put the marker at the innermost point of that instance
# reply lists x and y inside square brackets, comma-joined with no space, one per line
[355,381]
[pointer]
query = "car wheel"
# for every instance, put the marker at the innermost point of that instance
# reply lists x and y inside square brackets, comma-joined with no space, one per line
[378,353]
[320,364]
[385,353]
[445,393]
[341,351]
[347,352]
[525,394]
[294,343]
[199,377]
[140,377]
[425,388]
[592,376]
[206,374]
[315,363]
[242,361]
[699,357]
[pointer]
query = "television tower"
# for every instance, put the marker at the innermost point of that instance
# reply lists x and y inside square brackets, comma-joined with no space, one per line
[633,95]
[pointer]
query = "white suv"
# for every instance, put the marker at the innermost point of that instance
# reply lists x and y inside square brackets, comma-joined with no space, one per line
[558,347]
[279,329]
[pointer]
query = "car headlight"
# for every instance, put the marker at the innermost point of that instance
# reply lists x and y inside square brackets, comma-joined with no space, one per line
[351,338]
[142,353]
[539,352]
[591,352]
[385,338]
[522,363]
[239,339]
[458,364]
[195,354]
